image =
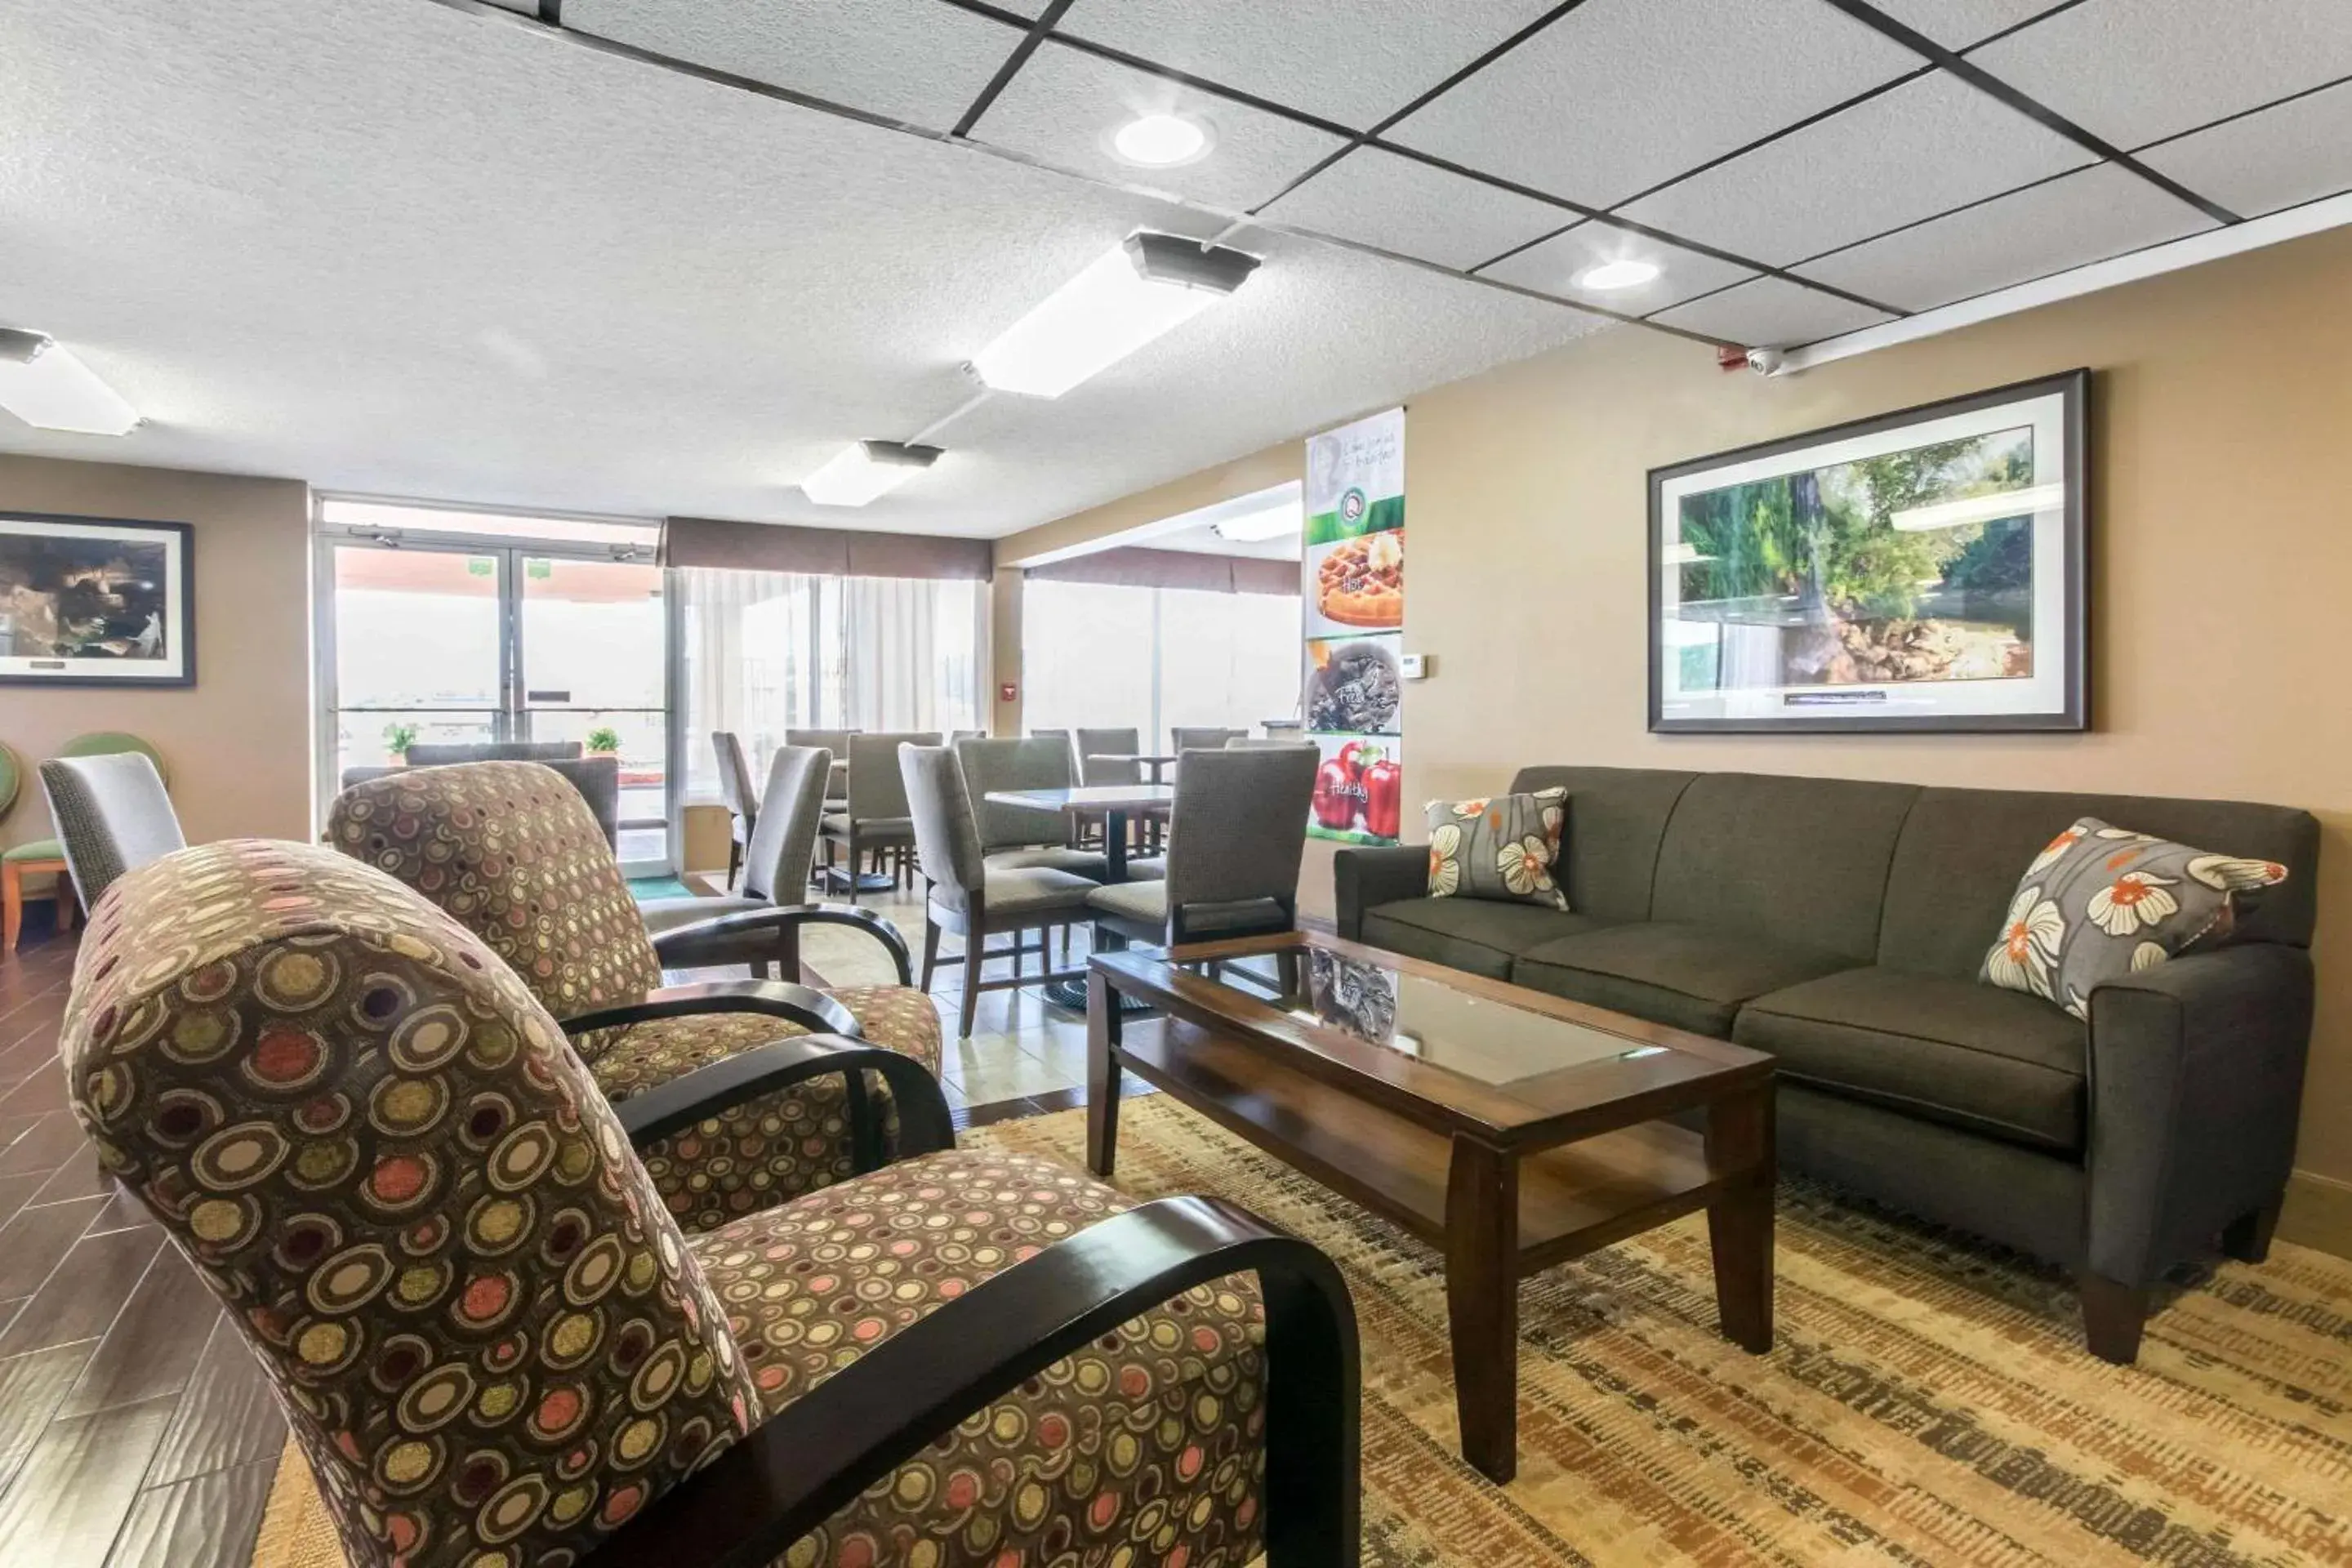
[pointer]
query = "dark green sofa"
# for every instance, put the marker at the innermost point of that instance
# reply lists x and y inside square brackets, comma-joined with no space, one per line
[1839,924]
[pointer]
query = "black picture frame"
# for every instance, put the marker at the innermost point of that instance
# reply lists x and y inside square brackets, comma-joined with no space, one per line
[2072,713]
[180,603]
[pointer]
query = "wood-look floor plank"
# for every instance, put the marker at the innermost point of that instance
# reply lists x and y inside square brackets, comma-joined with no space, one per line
[78,1177]
[210,1521]
[38,1240]
[16,1191]
[227,1416]
[36,1092]
[30,1388]
[82,1295]
[121,1212]
[74,1489]
[47,1142]
[154,1341]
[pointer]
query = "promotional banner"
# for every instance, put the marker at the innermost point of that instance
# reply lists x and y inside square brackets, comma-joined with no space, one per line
[1352,592]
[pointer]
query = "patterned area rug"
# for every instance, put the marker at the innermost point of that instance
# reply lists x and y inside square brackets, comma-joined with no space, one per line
[1929,1402]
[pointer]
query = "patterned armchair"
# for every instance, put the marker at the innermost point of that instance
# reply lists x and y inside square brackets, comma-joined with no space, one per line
[512,852]
[495,1346]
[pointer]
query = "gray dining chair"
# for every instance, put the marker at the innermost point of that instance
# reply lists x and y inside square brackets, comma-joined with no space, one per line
[968,896]
[1266,742]
[874,817]
[1094,743]
[836,790]
[441,754]
[1201,739]
[761,923]
[1235,838]
[735,789]
[1015,838]
[112,814]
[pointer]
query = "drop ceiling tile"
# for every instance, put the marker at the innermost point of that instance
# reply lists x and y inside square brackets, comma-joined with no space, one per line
[1957,24]
[1064,106]
[1353,61]
[915,60]
[1914,150]
[2278,157]
[1380,198]
[1555,265]
[2134,71]
[2078,219]
[1621,95]
[1771,312]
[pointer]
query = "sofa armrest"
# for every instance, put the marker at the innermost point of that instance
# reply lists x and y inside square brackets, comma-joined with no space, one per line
[2196,1082]
[1366,877]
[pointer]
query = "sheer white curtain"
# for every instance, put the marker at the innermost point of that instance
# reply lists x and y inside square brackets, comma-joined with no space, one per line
[770,651]
[1110,655]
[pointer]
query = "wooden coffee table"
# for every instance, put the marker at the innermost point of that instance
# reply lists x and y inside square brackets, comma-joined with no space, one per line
[1509,1129]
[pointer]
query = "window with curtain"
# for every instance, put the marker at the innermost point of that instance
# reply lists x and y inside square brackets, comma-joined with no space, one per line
[770,651]
[1104,656]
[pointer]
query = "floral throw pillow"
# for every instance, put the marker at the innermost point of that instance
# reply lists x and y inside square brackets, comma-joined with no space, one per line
[2101,903]
[1501,848]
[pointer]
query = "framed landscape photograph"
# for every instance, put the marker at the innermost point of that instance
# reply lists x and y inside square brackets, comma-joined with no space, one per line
[89,601]
[1924,570]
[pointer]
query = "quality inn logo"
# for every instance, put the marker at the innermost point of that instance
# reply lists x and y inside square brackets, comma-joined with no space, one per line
[1352,507]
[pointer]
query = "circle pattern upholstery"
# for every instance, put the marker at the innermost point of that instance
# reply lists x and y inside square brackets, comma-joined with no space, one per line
[1147,1447]
[511,851]
[377,1149]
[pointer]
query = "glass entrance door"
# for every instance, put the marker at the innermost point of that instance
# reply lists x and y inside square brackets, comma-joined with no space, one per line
[505,642]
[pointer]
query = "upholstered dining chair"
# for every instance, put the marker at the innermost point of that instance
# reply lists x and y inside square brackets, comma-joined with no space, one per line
[112,815]
[971,899]
[837,743]
[1235,836]
[39,856]
[510,851]
[874,819]
[495,1346]
[1015,838]
[754,925]
[1200,738]
[735,789]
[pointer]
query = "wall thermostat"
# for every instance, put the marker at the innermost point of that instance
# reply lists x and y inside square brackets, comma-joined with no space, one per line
[1415,666]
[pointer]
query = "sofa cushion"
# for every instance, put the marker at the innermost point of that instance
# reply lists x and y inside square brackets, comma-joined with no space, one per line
[1470,933]
[1692,976]
[1616,818]
[1956,867]
[1992,1062]
[1792,859]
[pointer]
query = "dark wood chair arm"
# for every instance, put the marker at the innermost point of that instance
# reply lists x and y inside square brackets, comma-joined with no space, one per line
[752,1503]
[810,1008]
[924,1125]
[719,939]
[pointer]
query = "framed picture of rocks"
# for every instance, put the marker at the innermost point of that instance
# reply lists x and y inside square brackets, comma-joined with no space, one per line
[89,601]
[1923,569]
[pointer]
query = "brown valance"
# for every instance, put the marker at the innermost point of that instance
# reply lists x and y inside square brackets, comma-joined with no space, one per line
[1139,568]
[824,551]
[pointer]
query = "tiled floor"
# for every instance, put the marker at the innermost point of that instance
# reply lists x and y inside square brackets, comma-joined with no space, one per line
[135,1430]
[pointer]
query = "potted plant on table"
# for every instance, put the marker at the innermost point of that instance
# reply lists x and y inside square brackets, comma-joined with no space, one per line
[398,736]
[604,741]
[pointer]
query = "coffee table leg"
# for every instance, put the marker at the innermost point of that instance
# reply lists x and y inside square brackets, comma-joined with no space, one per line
[1481,1300]
[1102,1075]
[1739,1138]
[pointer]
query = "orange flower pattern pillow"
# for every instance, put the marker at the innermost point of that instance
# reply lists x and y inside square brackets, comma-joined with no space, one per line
[1502,848]
[2102,902]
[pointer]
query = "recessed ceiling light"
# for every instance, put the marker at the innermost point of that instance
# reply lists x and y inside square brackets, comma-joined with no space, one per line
[1160,140]
[1613,275]
[1134,292]
[866,469]
[45,386]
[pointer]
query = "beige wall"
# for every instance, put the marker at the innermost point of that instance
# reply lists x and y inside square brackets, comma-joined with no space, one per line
[2222,428]
[239,742]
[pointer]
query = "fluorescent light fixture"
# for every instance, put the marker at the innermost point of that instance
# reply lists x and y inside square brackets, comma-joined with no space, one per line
[45,386]
[1626,273]
[1981,509]
[1149,285]
[1254,527]
[866,469]
[1160,140]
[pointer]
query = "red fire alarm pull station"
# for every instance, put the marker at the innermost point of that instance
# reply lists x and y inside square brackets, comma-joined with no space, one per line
[1006,692]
